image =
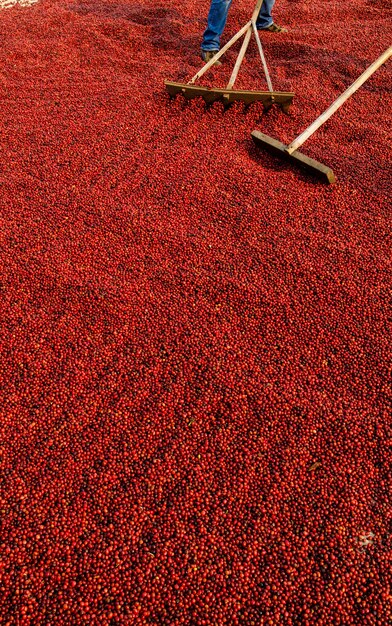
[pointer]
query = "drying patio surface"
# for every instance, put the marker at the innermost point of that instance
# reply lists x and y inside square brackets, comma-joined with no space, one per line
[195,337]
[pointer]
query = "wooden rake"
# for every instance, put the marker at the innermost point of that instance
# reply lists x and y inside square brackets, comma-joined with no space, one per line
[229,95]
[291,153]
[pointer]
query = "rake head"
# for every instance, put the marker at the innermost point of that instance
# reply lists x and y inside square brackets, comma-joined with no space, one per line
[228,96]
[279,149]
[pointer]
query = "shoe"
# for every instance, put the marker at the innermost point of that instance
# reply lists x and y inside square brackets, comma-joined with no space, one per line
[207,55]
[274,28]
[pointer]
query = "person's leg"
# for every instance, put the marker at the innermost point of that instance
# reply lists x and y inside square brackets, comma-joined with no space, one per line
[216,23]
[265,19]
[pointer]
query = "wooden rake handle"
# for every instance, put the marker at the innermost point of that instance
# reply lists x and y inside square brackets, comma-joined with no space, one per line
[338,102]
[245,30]
[256,11]
[251,28]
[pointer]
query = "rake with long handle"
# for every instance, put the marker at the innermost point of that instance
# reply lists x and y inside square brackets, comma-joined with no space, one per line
[291,153]
[228,94]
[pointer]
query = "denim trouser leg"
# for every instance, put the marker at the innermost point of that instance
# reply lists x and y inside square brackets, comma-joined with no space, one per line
[264,20]
[215,24]
[217,17]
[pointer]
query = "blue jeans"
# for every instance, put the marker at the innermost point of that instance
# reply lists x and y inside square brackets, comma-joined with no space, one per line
[217,17]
